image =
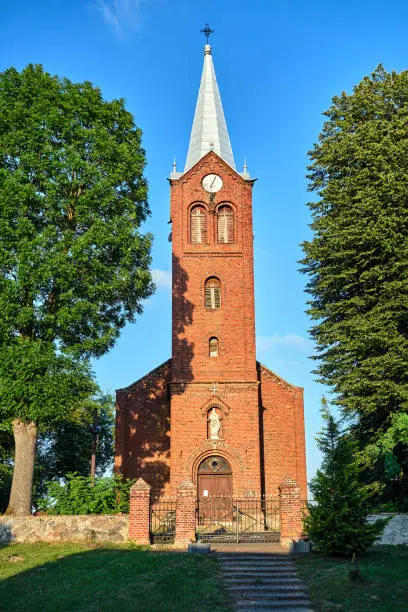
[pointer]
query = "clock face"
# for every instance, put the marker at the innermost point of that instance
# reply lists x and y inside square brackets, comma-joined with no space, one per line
[212,183]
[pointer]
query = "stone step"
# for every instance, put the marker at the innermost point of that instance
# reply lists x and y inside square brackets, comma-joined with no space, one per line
[283,580]
[255,560]
[249,605]
[267,588]
[259,568]
[256,556]
[262,565]
[250,561]
[267,593]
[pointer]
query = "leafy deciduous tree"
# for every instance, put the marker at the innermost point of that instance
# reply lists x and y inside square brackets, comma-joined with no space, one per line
[74,266]
[66,448]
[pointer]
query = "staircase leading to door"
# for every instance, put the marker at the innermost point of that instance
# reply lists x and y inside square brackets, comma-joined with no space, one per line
[263,581]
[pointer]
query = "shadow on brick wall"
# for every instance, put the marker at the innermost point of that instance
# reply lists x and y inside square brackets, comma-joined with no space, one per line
[146,403]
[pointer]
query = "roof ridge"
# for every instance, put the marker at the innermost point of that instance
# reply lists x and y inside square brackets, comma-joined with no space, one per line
[136,382]
[261,365]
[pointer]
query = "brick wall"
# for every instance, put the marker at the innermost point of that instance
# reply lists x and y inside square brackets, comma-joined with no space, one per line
[234,370]
[282,424]
[291,511]
[239,442]
[262,430]
[234,322]
[143,430]
[185,513]
[139,512]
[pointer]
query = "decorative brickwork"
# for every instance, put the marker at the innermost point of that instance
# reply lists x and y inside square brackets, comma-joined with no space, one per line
[291,506]
[185,513]
[163,431]
[143,428]
[139,512]
[282,431]
[262,428]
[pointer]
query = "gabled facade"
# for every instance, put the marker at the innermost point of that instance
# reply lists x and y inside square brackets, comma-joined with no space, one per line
[212,414]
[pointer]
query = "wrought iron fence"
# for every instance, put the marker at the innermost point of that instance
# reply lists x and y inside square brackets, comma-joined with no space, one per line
[231,519]
[163,521]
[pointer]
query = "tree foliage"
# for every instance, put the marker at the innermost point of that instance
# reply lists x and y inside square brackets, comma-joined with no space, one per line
[357,262]
[336,520]
[74,266]
[66,448]
[77,494]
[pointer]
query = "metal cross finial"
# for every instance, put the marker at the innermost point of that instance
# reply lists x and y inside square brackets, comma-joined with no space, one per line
[207,31]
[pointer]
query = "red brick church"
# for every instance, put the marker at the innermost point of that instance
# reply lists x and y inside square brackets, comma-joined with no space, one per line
[212,414]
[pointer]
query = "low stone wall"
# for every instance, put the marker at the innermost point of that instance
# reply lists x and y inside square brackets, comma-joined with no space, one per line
[91,527]
[396,532]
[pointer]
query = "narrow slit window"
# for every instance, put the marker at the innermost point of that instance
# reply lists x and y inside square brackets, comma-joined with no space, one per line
[225,223]
[213,293]
[198,225]
[213,347]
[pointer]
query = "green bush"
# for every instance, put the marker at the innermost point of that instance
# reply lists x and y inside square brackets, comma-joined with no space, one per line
[336,521]
[76,494]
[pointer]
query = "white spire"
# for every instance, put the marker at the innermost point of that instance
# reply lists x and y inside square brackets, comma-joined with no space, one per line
[209,131]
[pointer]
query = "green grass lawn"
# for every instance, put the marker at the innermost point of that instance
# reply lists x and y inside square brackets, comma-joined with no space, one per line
[384,584]
[79,577]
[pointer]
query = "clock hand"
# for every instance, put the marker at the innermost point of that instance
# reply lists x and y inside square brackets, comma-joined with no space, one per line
[213,181]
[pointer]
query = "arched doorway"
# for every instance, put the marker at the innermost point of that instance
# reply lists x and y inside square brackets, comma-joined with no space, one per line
[214,477]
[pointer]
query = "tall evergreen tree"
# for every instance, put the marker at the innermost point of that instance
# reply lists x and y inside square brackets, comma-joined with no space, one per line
[357,262]
[74,266]
[336,520]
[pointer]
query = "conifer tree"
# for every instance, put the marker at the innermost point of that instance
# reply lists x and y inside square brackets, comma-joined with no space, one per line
[357,262]
[336,520]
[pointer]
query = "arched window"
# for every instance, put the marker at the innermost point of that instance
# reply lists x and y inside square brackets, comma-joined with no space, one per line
[212,293]
[198,225]
[225,223]
[213,347]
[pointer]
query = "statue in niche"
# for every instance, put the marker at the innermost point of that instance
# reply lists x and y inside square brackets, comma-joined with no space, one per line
[215,425]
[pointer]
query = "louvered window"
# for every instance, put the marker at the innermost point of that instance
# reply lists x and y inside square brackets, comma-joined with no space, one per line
[198,225]
[225,220]
[213,293]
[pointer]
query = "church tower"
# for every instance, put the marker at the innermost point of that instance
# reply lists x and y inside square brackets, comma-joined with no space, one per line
[213,322]
[212,414]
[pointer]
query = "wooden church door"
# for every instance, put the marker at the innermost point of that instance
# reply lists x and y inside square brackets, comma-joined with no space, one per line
[214,478]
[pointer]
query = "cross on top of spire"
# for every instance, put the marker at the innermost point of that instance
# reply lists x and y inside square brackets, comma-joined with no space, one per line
[209,131]
[207,31]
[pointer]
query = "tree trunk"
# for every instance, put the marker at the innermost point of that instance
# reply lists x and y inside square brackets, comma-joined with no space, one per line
[25,437]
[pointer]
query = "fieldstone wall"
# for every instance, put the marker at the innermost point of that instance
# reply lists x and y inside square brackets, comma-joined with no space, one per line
[91,527]
[396,532]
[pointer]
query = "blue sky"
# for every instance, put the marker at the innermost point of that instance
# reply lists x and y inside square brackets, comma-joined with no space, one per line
[278,64]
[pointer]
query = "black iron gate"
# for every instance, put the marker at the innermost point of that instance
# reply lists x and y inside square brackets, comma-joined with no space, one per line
[231,519]
[163,521]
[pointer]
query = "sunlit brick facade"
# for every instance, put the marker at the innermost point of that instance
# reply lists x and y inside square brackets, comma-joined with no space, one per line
[212,414]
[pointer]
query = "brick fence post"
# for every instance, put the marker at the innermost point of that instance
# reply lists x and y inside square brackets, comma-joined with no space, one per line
[291,511]
[185,512]
[139,512]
